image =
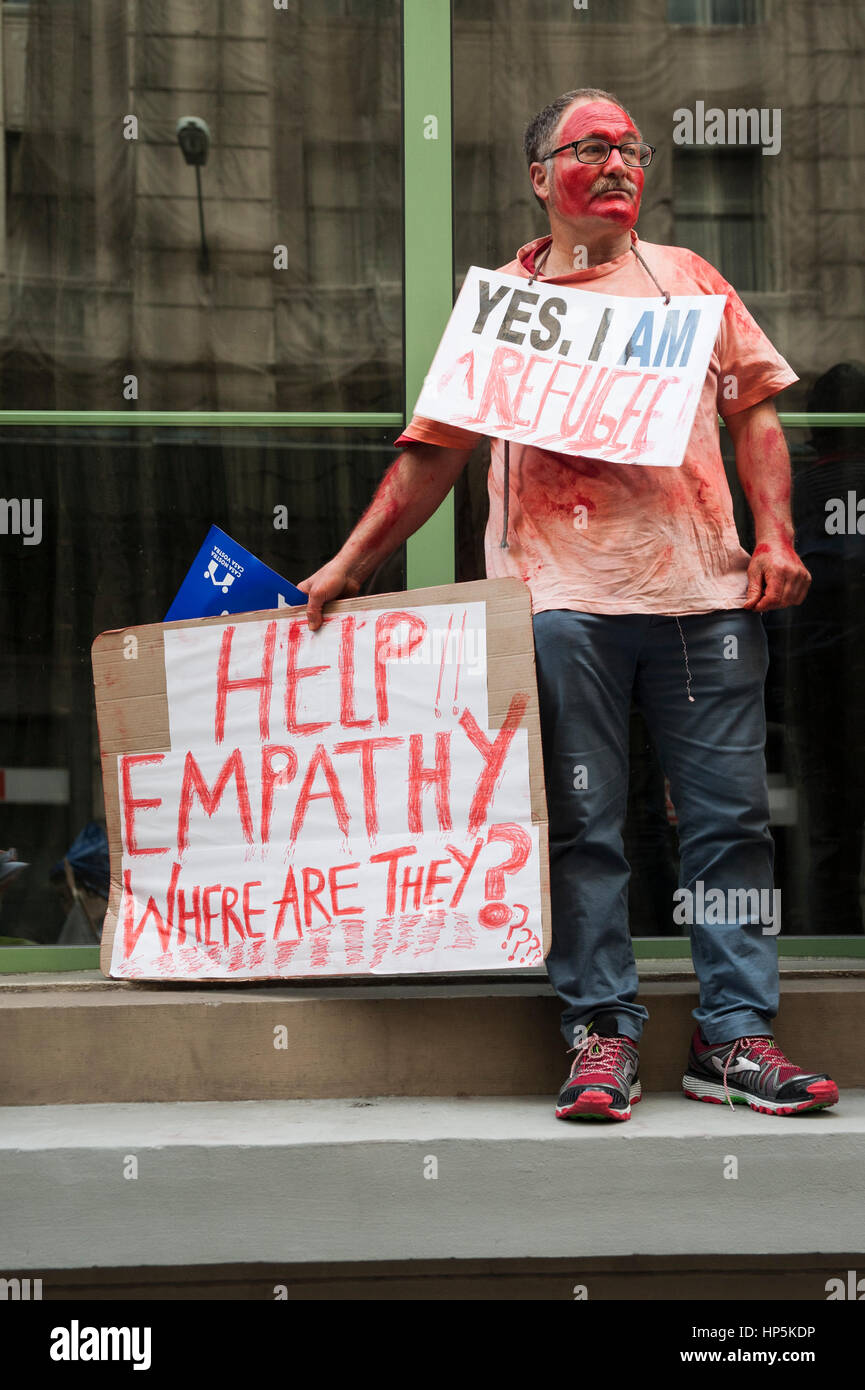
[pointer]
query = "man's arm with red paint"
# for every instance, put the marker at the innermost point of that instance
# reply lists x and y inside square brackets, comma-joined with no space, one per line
[776,576]
[407,496]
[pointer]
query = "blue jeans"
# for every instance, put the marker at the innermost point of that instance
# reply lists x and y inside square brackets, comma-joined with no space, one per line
[589,667]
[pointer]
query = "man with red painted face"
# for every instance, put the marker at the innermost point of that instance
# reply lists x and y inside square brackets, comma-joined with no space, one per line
[653,601]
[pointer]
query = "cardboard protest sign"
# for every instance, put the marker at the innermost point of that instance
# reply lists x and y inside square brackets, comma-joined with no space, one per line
[226,578]
[363,799]
[576,371]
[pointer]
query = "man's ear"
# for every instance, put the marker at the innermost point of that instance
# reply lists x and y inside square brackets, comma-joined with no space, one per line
[541,185]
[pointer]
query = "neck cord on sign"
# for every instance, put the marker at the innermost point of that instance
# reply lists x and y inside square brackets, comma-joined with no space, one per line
[665,293]
[539,262]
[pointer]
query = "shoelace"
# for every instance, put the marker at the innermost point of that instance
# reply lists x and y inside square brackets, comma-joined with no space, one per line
[605,1049]
[766,1050]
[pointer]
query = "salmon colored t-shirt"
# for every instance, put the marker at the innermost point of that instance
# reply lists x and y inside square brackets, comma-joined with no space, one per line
[655,540]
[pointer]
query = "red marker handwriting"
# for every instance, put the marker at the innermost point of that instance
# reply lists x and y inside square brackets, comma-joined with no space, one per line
[263,682]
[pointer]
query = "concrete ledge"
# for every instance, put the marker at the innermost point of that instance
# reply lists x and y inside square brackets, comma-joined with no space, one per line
[319,1180]
[152,1043]
[633,1277]
[655,968]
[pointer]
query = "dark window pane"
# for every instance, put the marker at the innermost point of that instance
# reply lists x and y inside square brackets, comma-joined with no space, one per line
[718,212]
[122,515]
[715,11]
[816,686]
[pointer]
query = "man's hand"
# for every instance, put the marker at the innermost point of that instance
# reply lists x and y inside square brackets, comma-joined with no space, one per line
[332,581]
[776,578]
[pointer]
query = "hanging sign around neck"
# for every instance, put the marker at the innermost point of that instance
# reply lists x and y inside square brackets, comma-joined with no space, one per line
[576,371]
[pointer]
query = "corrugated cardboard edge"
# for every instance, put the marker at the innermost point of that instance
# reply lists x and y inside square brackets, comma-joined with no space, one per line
[132,705]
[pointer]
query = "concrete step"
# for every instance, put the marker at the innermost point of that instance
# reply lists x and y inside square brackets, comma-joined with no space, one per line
[641,1278]
[424,1178]
[90,1040]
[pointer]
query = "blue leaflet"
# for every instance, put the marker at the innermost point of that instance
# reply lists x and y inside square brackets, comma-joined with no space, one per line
[225,578]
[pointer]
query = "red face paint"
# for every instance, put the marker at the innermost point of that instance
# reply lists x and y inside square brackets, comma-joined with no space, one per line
[584,190]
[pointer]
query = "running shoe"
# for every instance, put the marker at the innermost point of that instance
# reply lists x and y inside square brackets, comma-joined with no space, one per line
[603,1083]
[754,1071]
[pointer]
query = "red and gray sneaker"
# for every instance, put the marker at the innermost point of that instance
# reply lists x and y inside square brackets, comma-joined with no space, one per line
[603,1083]
[753,1071]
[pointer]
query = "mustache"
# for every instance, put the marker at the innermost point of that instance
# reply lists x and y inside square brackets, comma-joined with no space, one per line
[613,186]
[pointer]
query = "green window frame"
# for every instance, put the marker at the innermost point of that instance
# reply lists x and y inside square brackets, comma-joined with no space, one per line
[427,89]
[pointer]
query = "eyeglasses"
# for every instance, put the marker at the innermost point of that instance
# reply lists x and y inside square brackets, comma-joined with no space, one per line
[592,151]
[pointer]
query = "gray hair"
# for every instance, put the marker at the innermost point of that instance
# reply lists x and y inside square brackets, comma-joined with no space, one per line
[541,129]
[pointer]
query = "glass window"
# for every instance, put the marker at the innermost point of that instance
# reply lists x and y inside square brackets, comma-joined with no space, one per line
[718,211]
[784,229]
[266,278]
[271,277]
[475,236]
[607,12]
[97,530]
[714,11]
[816,685]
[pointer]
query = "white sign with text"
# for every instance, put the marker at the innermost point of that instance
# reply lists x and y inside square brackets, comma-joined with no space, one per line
[331,803]
[576,371]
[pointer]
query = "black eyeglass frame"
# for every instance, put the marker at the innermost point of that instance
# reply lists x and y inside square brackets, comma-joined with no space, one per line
[598,140]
